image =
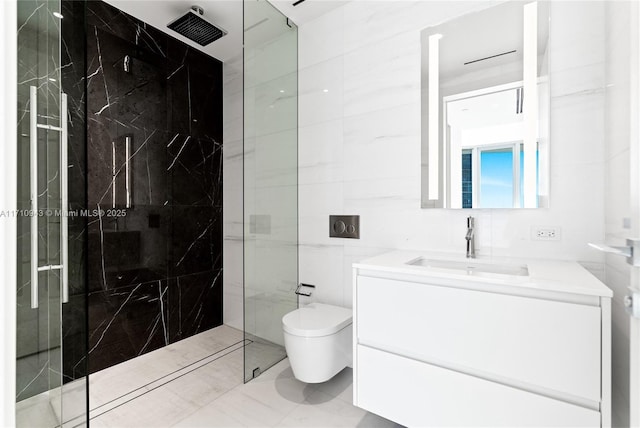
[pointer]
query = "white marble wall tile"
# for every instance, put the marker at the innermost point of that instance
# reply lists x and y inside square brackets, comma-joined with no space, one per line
[321,92]
[233,260]
[368,22]
[233,307]
[264,316]
[395,195]
[353,255]
[316,203]
[383,144]
[577,132]
[269,267]
[617,117]
[275,157]
[511,230]
[232,74]
[274,106]
[321,265]
[318,49]
[320,153]
[382,76]
[280,204]
[270,61]
[232,122]
[577,34]
[618,81]
[320,257]
[387,55]
[233,282]
[582,79]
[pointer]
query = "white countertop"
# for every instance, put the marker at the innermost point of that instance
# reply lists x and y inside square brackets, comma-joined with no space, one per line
[548,275]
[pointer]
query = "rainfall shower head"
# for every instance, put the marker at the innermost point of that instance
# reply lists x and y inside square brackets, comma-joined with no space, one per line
[192,26]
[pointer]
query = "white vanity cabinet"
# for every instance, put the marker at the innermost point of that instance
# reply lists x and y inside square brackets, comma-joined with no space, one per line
[436,347]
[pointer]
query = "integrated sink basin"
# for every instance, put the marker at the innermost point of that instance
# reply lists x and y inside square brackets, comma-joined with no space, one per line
[470,267]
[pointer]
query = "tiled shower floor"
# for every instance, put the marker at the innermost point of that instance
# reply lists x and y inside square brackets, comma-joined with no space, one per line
[197,382]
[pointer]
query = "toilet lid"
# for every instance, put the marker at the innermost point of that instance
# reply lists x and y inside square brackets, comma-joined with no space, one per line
[316,320]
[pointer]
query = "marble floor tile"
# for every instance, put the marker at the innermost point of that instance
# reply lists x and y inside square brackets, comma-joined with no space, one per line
[211,393]
[340,386]
[111,384]
[322,410]
[37,412]
[207,383]
[210,416]
[157,408]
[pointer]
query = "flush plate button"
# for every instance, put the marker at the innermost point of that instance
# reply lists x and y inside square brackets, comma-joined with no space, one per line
[344,226]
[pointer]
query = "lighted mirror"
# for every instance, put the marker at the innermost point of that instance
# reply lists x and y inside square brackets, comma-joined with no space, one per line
[485,109]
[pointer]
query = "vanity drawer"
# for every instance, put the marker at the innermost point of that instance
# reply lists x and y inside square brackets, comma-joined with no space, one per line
[550,346]
[417,394]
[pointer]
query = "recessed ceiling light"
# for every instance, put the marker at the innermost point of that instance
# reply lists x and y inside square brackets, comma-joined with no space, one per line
[58,15]
[325,90]
[282,91]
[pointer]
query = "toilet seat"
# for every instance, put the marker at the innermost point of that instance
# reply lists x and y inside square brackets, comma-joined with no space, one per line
[316,320]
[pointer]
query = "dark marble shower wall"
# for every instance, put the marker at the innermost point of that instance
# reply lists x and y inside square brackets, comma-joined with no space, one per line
[155,268]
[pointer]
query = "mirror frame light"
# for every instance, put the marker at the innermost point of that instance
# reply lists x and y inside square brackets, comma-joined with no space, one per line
[535,173]
[434,116]
[530,103]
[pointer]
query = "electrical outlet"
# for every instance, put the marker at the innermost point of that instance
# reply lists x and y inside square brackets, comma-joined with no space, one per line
[545,233]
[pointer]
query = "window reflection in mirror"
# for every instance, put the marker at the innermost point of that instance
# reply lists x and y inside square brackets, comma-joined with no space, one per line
[485,109]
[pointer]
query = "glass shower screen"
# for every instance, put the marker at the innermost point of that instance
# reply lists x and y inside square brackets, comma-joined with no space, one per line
[51,383]
[270,181]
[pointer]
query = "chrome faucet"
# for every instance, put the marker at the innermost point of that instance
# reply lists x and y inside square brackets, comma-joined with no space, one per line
[471,242]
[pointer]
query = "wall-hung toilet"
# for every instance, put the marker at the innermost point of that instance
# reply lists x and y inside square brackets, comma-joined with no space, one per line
[318,340]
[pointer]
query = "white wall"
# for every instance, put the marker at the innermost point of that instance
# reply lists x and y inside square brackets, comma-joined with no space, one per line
[617,195]
[359,147]
[232,192]
[8,231]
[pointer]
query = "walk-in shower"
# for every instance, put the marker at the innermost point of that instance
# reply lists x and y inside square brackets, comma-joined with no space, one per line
[120,151]
[154,171]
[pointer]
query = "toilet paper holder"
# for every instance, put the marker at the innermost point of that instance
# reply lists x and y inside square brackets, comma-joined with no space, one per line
[301,293]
